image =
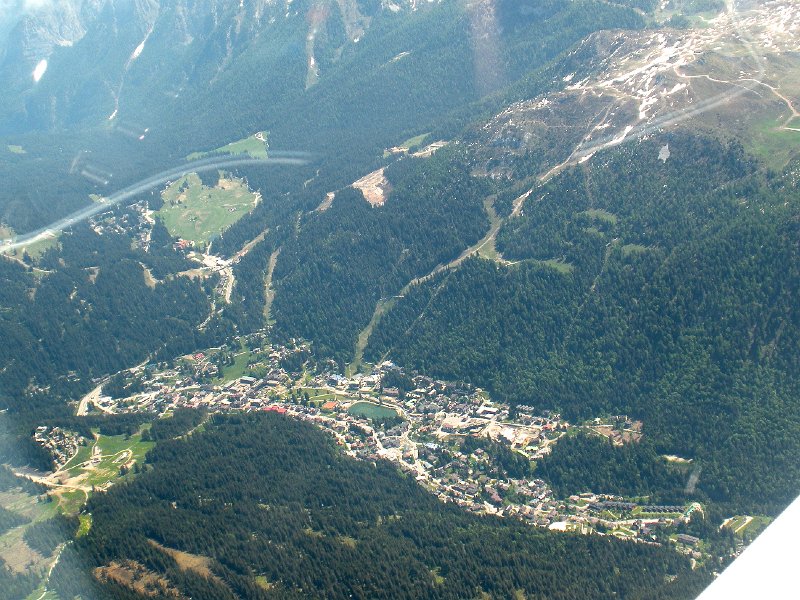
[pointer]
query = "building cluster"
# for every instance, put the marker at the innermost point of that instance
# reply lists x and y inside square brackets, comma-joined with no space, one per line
[60,443]
[620,429]
[451,437]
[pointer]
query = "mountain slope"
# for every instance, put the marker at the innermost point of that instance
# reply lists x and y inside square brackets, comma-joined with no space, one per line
[272,510]
[666,294]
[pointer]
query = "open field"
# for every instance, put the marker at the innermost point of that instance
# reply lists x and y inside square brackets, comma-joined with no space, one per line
[256,146]
[747,527]
[412,142]
[34,250]
[16,554]
[371,411]
[489,249]
[319,396]
[96,466]
[558,264]
[752,529]
[189,562]
[263,582]
[238,368]
[26,505]
[600,215]
[736,523]
[772,144]
[198,213]
[84,526]
[13,549]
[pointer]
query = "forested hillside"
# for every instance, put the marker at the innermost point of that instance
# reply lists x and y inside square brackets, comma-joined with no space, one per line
[270,509]
[346,258]
[87,310]
[667,293]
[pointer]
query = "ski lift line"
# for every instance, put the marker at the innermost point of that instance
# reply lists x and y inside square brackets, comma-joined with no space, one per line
[50,231]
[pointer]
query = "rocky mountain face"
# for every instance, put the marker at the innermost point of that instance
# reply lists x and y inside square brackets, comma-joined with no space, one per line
[31,30]
[738,72]
[69,61]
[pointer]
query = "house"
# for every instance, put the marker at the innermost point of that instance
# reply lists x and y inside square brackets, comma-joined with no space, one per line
[687,539]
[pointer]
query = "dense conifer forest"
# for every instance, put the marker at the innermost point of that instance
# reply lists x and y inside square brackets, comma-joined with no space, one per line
[642,295]
[278,512]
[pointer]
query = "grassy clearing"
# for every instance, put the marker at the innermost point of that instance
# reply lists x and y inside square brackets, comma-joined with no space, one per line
[263,582]
[559,264]
[188,562]
[599,214]
[16,554]
[774,146]
[34,250]
[736,522]
[115,452]
[414,141]
[256,146]
[28,505]
[489,249]
[754,528]
[437,577]
[84,526]
[13,549]
[369,410]
[238,368]
[593,231]
[14,149]
[198,213]
[73,465]
[748,527]
[97,466]
[384,306]
[318,395]
[71,502]
[241,361]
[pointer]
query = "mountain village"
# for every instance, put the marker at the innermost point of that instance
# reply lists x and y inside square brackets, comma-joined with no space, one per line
[451,437]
